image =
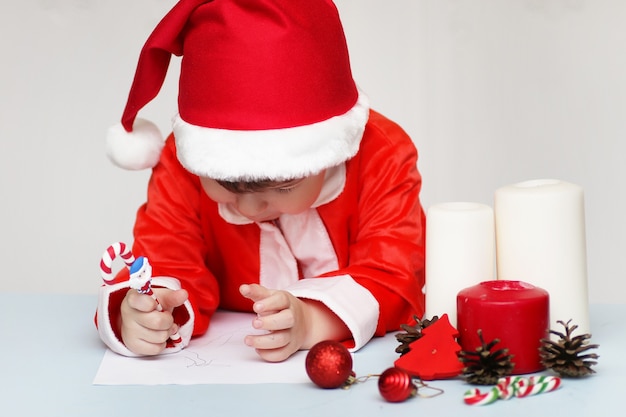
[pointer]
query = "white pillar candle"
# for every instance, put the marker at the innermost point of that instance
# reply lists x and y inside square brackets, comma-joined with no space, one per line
[540,235]
[460,252]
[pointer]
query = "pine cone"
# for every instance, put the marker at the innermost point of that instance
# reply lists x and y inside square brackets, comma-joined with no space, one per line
[564,356]
[412,333]
[483,367]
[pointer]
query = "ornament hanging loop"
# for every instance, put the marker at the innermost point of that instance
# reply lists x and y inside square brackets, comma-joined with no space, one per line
[422,385]
[353,379]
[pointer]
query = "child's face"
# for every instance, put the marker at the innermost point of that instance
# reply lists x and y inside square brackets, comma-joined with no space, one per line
[288,197]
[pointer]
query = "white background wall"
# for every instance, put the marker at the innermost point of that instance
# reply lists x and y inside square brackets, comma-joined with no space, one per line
[493,92]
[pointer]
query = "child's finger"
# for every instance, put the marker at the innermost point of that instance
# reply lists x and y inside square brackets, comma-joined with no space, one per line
[170,299]
[281,320]
[150,345]
[155,321]
[277,301]
[273,340]
[254,292]
[140,302]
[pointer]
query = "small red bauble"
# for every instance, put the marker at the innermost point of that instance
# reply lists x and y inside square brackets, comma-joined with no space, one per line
[329,364]
[396,385]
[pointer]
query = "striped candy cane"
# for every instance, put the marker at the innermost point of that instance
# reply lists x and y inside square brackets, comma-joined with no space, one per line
[475,397]
[509,387]
[113,251]
[140,274]
[537,385]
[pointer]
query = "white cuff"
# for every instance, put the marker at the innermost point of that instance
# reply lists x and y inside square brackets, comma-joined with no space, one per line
[351,302]
[105,327]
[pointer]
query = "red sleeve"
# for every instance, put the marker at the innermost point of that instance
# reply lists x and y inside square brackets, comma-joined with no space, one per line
[169,233]
[387,230]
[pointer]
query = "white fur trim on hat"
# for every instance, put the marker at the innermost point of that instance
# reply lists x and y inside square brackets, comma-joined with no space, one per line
[277,154]
[136,150]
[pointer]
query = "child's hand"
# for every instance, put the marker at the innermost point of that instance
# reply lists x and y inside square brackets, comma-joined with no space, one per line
[293,323]
[145,330]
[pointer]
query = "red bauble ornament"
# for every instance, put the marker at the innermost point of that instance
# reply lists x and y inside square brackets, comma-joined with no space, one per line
[396,385]
[329,364]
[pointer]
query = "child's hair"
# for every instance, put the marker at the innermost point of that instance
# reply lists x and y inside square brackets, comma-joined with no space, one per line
[241,187]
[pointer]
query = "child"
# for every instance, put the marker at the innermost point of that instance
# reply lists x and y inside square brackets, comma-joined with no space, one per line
[279,192]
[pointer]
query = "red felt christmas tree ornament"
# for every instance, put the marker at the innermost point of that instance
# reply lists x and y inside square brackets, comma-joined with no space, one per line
[434,355]
[329,365]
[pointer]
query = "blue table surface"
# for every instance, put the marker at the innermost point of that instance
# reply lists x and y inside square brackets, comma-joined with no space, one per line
[50,353]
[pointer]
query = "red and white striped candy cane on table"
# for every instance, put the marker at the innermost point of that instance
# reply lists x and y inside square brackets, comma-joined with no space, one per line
[475,397]
[140,274]
[508,387]
[537,385]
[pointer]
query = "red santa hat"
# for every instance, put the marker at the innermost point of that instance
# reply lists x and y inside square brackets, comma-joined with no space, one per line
[265,91]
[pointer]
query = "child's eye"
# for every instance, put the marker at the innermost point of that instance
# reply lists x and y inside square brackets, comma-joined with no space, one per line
[287,186]
[286,189]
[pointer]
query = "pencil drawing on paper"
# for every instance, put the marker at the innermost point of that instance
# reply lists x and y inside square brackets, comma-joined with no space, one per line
[195,359]
[213,351]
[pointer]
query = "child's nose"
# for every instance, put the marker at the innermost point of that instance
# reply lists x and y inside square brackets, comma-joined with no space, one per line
[250,204]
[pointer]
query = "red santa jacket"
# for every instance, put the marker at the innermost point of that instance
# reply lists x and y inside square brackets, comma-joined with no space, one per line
[359,249]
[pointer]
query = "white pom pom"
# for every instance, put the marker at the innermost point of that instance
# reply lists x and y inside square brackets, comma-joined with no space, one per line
[136,150]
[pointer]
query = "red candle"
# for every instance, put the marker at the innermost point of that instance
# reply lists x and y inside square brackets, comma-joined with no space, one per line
[515,312]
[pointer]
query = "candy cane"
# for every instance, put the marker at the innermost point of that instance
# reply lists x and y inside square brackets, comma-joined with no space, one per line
[537,385]
[475,397]
[140,274]
[551,382]
[509,387]
[116,249]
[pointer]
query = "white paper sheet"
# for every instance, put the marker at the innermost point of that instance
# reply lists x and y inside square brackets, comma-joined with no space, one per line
[218,357]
